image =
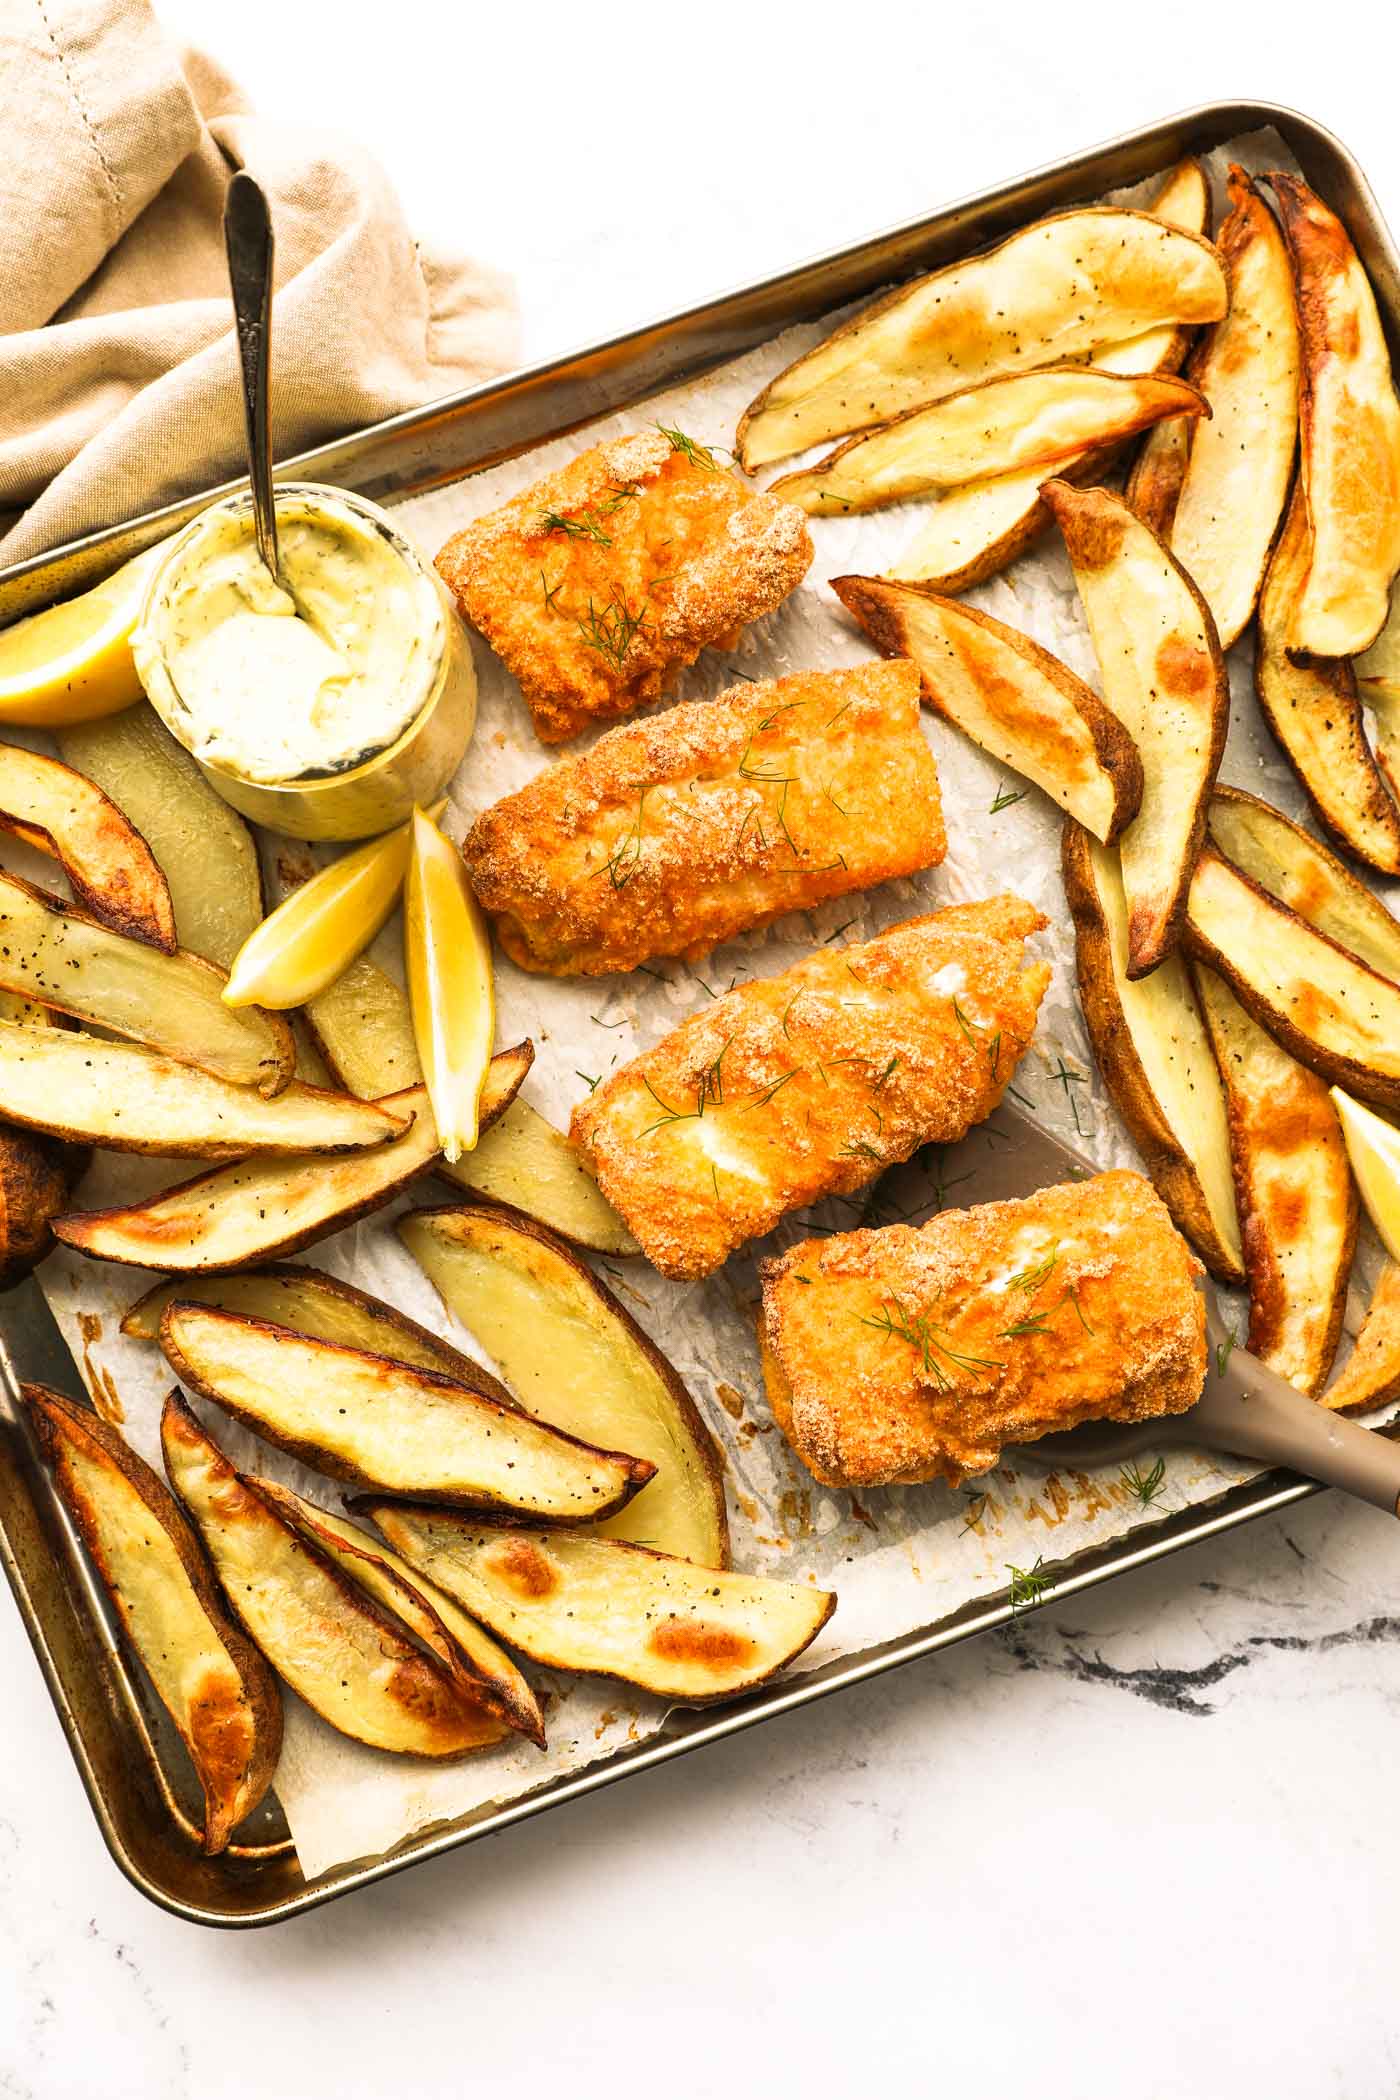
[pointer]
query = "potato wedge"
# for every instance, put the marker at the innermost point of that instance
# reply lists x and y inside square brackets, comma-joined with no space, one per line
[975,531]
[1305,875]
[204,849]
[381,1423]
[66,960]
[1164,678]
[351,1661]
[1240,461]
[575,1601]
[1350,429]
[1031,419]
[130,1099]
[1059,289]
[312,1303]
[211,1680]
[1314,711]
[577,1360]
[257,1209]
[1154,487]
[434,1618]
[365,1032]
[1370,1377]
[110,868]
[1318,1000]
[1155,1055]
[1009,695]
[1297,1201]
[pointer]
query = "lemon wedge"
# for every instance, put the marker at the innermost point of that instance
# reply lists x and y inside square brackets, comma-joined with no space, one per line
[312,939]
[1373,1146]
[73,662]
[447,959]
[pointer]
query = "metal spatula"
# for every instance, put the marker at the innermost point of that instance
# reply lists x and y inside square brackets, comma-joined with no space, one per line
[1245,1410]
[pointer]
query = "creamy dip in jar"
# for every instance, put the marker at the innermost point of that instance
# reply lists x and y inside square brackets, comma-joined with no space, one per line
[324,703]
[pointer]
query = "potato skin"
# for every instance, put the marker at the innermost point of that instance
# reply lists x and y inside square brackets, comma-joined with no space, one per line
[36,1173]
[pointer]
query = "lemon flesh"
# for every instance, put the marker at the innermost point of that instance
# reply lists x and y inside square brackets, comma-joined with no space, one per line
[447,960]
[73,662]
[1373,1146]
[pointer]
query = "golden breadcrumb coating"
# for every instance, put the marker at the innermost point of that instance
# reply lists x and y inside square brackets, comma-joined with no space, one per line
[916,1353]
[672,834]
[598,583]
[812,1083]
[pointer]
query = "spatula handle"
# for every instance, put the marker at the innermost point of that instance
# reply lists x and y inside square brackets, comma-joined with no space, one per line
[1251,1411]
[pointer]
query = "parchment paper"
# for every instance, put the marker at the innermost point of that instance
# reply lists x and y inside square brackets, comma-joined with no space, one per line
[899,1558]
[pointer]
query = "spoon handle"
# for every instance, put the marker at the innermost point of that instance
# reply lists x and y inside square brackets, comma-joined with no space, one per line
[1249,1410]
[249,244]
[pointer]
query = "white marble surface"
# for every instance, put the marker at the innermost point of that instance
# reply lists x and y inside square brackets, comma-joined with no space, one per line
[1148,1845]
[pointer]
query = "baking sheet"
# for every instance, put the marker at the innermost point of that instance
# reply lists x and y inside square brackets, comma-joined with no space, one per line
[901,1558]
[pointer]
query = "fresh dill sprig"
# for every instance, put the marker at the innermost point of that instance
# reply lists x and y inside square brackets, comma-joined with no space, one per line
[888,1072]
[690,448]
[626,857]
[580,525]
[1028,1585]
[589,1081]
[839,808]
[1144,1487]
[1067,1079]
[761,1099]
[935,1350]
[550,592]
[1224,1350]
[1034,1323]
[859,1149]
[1005,797]
[613,631]
[967,1026]
[1030,1279]
[994,1056]
[836,935]
[976,1510]
[1017,1095]
[709,1090]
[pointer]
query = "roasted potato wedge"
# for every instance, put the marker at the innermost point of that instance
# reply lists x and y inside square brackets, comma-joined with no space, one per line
[1378,684]
[1032,419]
[257,1209]
[1155,1056]
[1370,1377]
[381,1423]
[35,1178]
[130,1099]
[1010,696]
[1314,711]
[1240,460]
[1059,289]
[1164,678]
[204,849]
[975,531]
[575,1601]
[575,1359]
[312,1303]
[1154,487]
[211,1680]
[1350,429]
[1323,1004]
[1303,874]
[434,1618]
[66,960]
[1297,1201]
[351,1661]
[365,1031]
[110,868]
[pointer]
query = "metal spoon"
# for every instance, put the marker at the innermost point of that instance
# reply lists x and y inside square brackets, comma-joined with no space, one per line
[249,245]
[1245,1409]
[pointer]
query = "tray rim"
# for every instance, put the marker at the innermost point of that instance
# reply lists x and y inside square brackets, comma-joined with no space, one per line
[42,578]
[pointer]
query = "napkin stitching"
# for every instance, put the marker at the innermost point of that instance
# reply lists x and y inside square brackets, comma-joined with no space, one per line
[114,187]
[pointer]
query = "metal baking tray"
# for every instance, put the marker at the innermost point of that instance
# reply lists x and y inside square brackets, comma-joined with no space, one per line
[132,1766]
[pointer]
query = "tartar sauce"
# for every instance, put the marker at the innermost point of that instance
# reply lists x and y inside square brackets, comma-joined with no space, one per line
[274,684]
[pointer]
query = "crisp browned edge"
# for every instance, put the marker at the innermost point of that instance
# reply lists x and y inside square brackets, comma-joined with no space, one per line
[155,925]
[1169,1168]
[1379,1384]
[698,1429]
[1267,1301]
[522,1716]
[1336,866]
[258,1683]
[358,1600]
[901,292]
[1153,488]
[369,1505]
[868,600]
[859,505]
[636,1472]
[76,1228]
[274,1081]
[1144,955]
[1338,1070]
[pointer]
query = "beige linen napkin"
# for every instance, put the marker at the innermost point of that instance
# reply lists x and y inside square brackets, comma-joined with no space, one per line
[118,374]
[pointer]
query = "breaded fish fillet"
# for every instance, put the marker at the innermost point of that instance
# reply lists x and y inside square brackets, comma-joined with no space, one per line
[810,1084]
[916,1353]
[670,835]
[598,583]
